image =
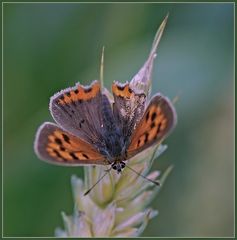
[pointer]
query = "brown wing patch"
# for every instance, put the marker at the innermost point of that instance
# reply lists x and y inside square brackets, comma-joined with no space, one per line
[157,121]
[58,146]
[78,110]
[80,93]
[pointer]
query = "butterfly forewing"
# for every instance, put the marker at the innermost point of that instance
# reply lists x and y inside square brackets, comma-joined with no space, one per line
[128,107]
[156,123]
[78,110]
[57,146]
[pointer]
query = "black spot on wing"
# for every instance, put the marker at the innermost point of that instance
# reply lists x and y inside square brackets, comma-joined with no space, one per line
[153,125]
[81,122]
[57,153]
[158,128]
[58,141]
[146,137]
[85,156]
[62,149]
[138,142]
[120,88]
[147,116]
[73,156]
[66,138]
[153,116]
[87,90]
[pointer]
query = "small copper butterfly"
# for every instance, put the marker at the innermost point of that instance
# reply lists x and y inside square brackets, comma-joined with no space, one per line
[90,129]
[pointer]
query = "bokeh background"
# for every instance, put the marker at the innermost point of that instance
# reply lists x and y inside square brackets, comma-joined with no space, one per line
[48,47]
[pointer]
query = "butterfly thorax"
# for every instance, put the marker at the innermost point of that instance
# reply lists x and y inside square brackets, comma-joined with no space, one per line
[114,145]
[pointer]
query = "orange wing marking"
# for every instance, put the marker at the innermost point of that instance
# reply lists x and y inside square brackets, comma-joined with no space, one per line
[80,94]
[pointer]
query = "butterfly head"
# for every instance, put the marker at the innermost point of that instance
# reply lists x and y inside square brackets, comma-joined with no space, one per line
[118,166]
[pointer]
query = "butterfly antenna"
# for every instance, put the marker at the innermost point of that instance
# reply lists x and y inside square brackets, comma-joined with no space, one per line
[157,183]
[88,191]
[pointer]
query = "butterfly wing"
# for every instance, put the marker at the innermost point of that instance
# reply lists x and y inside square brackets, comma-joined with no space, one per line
[78,110]
[128,108]
[156,123]
[55,145]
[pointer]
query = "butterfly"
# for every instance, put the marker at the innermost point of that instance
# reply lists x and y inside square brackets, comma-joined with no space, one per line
[90,129]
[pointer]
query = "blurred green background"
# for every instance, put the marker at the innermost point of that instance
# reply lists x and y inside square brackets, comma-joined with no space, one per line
[48,47]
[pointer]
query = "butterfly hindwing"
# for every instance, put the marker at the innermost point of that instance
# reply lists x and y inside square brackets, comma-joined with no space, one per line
[57,146]
[78,110]
[128,108]
[156,123]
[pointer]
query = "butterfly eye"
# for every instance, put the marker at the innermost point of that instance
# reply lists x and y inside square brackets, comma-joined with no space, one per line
[122,164]
[114,167]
